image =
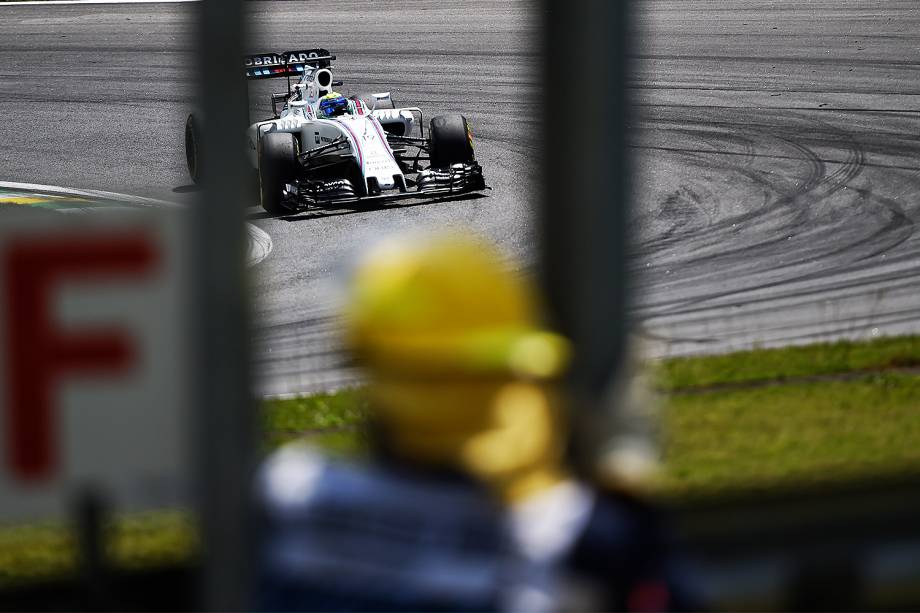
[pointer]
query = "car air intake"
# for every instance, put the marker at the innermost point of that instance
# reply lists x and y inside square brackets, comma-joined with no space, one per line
[323,80]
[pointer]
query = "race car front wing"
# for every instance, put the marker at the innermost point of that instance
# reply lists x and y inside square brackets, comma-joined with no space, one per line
[429,183]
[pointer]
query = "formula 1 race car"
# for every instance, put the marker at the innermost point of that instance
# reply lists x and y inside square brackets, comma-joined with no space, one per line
[323,148]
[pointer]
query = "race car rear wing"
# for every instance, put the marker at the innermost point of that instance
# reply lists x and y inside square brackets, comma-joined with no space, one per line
[287,64]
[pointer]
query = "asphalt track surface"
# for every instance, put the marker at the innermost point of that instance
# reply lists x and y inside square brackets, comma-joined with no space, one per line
[777,144]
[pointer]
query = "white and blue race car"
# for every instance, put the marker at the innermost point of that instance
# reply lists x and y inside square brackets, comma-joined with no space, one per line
[324,148]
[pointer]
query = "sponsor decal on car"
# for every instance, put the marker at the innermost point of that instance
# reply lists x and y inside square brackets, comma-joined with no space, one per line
[302,57]
[280,59]
[288,63]
[263,60]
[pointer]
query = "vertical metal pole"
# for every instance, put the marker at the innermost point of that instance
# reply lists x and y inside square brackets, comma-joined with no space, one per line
[90,514]
[225,408]
[585,209]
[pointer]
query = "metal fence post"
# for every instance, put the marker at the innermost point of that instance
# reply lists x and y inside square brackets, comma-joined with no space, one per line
[585,209]
[226,413]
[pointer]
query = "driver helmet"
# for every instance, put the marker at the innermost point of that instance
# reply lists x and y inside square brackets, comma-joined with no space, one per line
[333,104]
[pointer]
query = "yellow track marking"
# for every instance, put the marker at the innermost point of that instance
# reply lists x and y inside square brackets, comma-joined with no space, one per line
[34,199]
[22,200]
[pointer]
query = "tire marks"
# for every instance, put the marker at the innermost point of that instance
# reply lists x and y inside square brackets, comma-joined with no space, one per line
[827,233]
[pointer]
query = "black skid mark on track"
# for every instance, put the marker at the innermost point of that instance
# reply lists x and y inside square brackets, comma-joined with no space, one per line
[817,186]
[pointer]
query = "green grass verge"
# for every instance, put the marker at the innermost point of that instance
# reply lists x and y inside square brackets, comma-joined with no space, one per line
[791,435]
[319,412]
[41,551]
[790,362]
[331,421]
[738,422]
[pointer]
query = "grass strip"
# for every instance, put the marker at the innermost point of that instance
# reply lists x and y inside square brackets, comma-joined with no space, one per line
[48,550]
[784,363]
[793,431]
[331,421]
[791,435]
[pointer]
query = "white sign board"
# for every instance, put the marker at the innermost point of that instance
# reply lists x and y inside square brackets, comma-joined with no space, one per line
[94,366]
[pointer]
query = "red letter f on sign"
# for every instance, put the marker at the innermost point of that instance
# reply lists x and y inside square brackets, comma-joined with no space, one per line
[39,353]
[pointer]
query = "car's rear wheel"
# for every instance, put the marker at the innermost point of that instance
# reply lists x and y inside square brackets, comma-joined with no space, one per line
[277,166]
[192,148]
[451,141]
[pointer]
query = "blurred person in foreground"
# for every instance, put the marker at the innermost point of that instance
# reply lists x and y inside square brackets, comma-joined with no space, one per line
[467,503]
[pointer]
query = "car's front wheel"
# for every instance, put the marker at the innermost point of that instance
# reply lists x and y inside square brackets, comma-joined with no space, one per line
[451,141]
[277,166]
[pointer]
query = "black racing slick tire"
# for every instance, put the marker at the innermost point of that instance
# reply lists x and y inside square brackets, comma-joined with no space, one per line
[193,148]
[451,141]
[277,166]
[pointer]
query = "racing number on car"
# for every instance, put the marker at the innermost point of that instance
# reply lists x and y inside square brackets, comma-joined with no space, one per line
[40,353]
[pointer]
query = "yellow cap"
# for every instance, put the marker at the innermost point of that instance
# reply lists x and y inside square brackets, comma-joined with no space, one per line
[447,307]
